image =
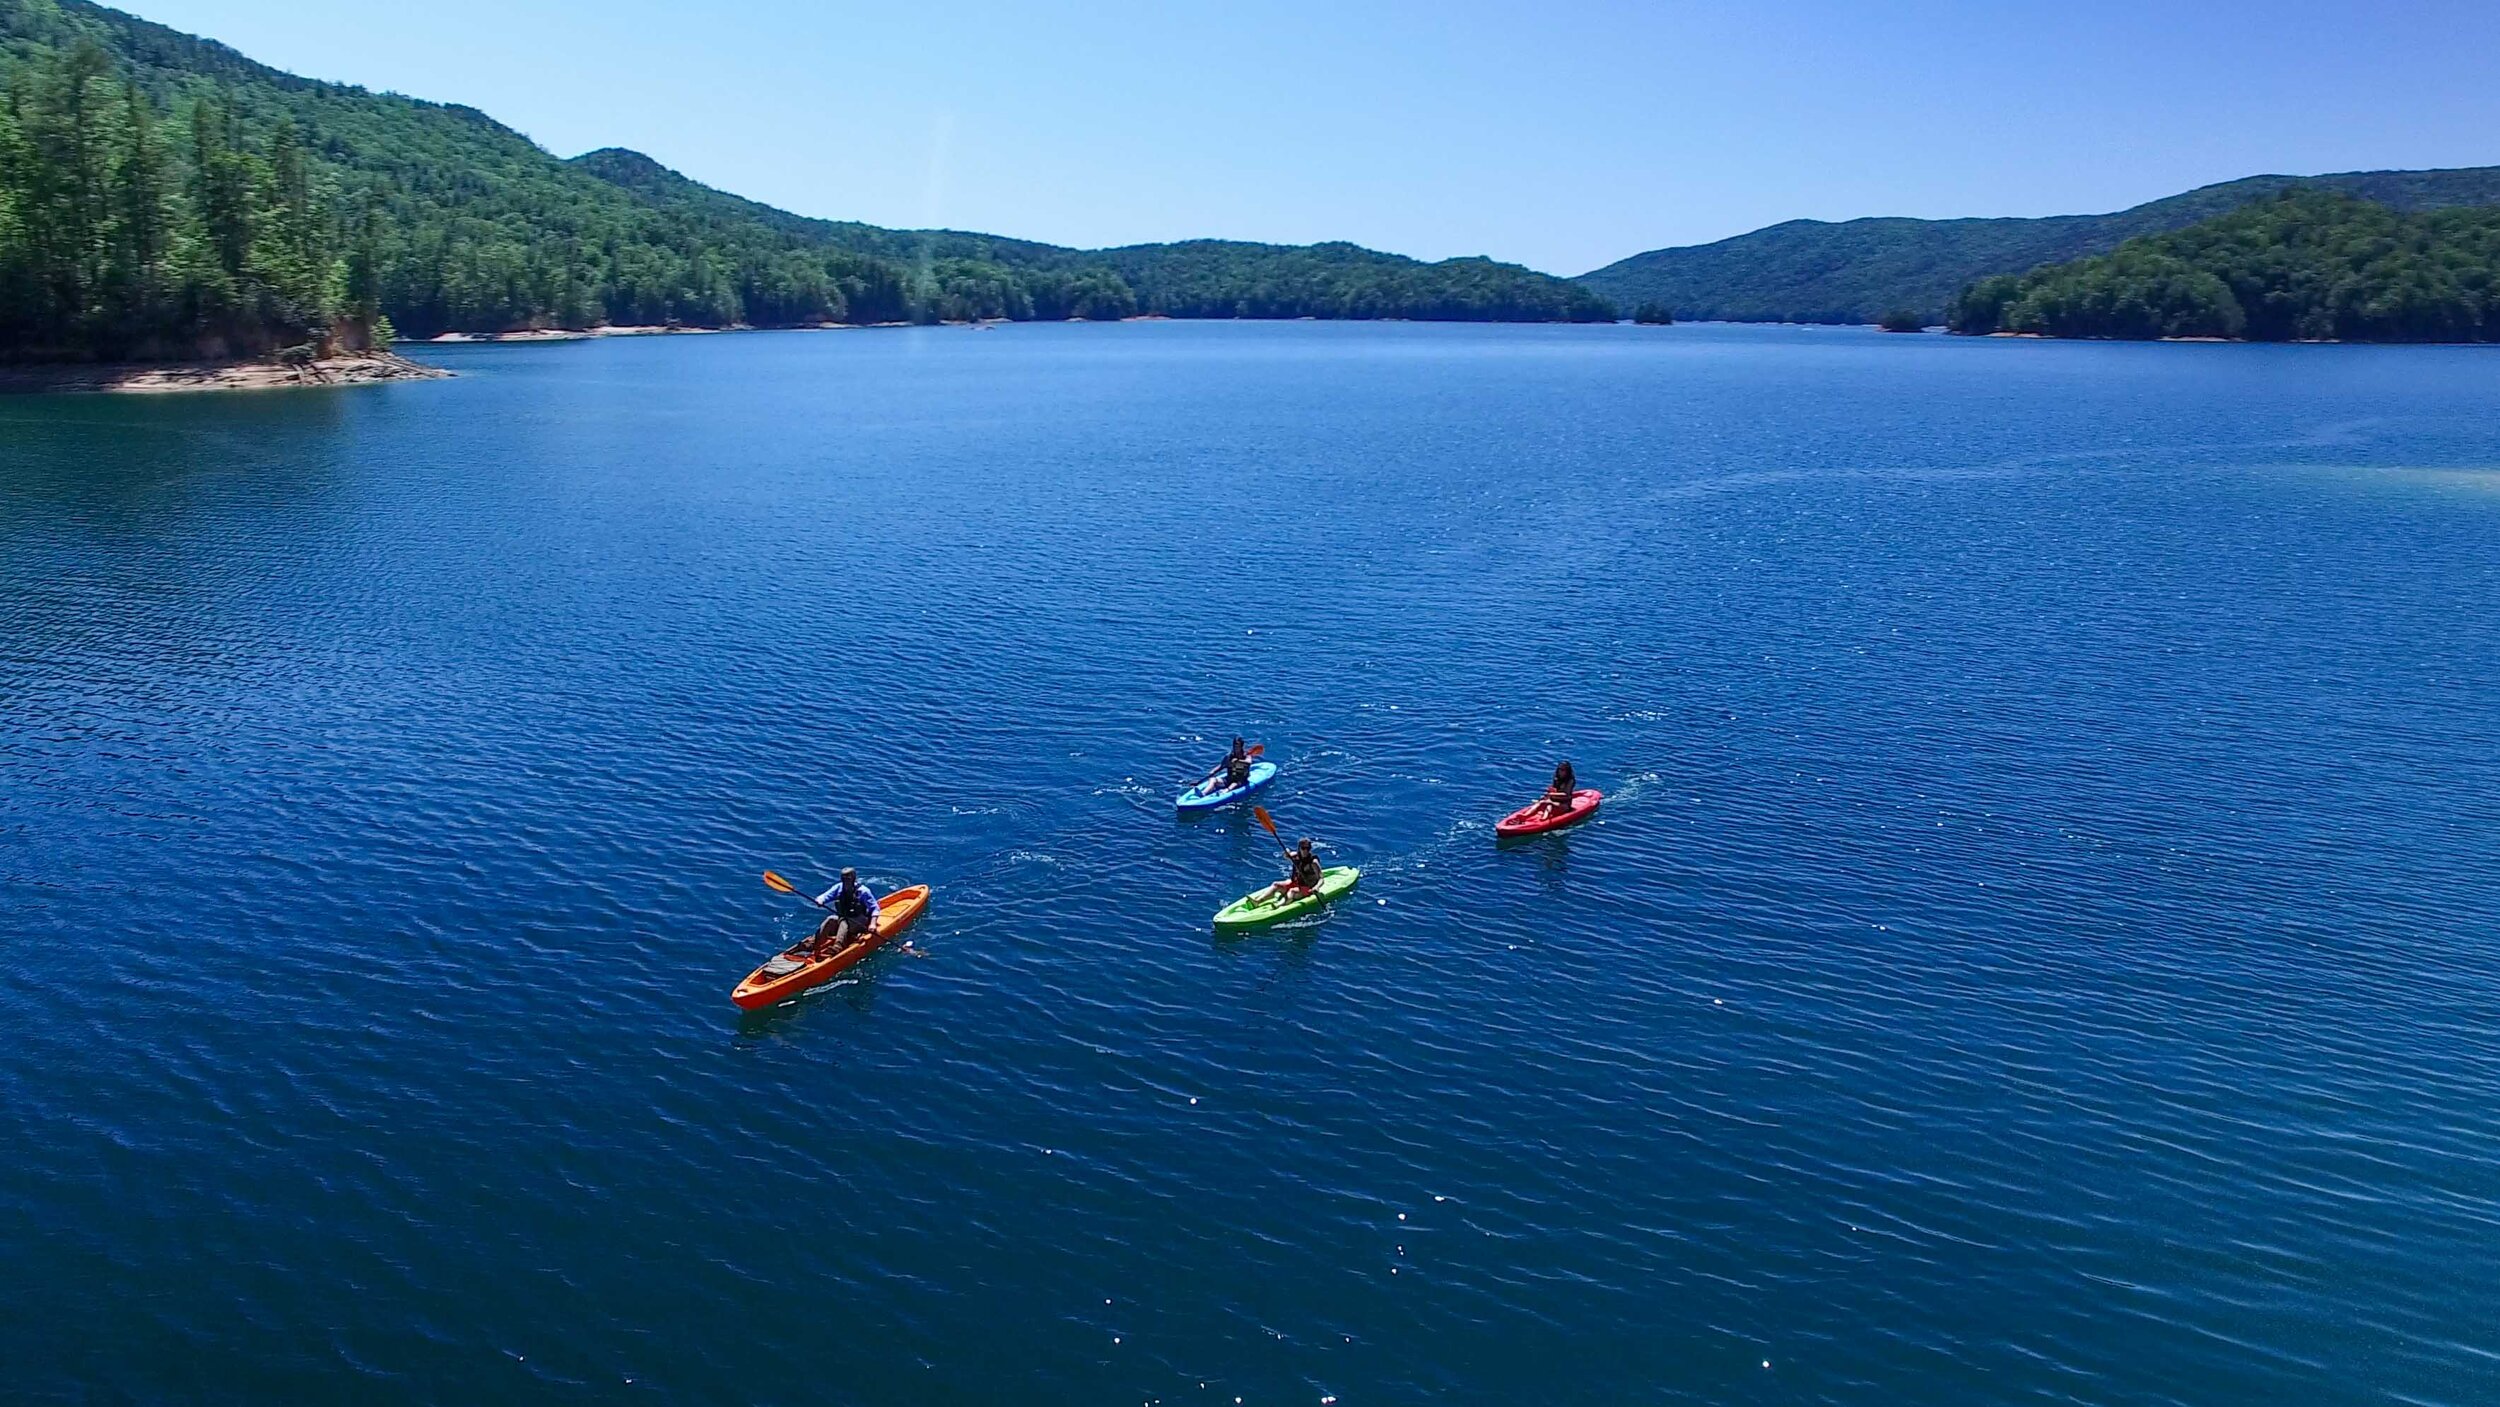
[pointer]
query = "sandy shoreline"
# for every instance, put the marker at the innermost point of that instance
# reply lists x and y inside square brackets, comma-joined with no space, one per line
[570,334]
[574,334]
[145,378]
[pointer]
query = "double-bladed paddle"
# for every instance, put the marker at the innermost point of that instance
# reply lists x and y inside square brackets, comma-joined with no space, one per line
[1270,822]
[774,881]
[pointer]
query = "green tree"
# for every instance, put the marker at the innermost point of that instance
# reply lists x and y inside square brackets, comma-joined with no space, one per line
[2301,265]
[142,235]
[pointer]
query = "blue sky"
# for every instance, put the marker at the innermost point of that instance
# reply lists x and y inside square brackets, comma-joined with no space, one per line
[1562,135]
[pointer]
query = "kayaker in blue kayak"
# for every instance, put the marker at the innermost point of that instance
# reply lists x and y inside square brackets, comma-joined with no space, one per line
[1232,773]
[853,916]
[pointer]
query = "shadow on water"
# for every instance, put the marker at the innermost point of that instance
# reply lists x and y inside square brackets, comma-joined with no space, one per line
[854,991]
[108,453]
[1238,808]
[1288,949]
[180,511]
[1551,850]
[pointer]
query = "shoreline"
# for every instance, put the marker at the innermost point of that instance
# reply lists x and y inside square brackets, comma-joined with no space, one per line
[578,334]
[167,378]
[374,368]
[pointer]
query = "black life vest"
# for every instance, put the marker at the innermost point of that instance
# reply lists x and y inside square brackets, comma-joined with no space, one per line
[852,904]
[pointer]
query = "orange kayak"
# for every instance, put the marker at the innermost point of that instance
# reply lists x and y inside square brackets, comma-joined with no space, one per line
[791,972]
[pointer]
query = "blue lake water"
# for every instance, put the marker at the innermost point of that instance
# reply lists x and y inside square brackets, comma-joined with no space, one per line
[2041,942]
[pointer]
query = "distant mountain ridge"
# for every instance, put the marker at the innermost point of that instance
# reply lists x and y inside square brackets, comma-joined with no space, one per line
[1856,271]
[660,185]
[164,197]
[1199,278]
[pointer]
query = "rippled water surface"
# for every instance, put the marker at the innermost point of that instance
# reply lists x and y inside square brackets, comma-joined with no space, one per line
[2038,945]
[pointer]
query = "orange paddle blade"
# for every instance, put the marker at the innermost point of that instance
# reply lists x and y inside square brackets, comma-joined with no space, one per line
[1255,750]
[777,882]
[1264,818]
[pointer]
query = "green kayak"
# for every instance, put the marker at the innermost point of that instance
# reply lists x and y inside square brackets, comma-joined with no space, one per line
[1260,909]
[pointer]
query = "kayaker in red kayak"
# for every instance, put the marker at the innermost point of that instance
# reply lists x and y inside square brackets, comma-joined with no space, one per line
[1557,798]
[853,916]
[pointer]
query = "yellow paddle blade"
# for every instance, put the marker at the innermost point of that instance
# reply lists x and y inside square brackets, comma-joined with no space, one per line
[777,882]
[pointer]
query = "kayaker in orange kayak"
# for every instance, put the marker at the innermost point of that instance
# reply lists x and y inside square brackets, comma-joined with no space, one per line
[853,914]
[1305,876]
[1557,797]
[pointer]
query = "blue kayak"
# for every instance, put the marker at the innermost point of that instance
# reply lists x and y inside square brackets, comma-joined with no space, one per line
[1198,798]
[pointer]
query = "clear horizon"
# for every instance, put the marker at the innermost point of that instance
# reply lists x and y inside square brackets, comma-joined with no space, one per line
[1435,131]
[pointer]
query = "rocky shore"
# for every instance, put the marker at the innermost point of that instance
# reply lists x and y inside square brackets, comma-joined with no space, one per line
[347,369]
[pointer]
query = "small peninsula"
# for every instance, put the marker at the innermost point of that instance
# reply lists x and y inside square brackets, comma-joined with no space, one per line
[248,374]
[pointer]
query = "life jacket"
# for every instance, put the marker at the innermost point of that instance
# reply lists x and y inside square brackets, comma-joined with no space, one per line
[852,904]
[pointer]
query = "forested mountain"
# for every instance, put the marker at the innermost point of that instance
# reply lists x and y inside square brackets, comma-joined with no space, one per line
[162,195]
[2305,265]
[1856,271]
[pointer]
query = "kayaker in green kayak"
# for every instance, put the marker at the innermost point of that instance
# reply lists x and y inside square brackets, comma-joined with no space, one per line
[1305,876]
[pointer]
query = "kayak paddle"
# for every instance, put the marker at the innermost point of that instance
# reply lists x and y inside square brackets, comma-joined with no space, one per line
[1270,822]
[1281,848]
[775,881]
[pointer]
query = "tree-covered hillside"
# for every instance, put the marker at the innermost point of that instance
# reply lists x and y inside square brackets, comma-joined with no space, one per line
[1224,279]
[2305,265]
[162,195]
[1812,271]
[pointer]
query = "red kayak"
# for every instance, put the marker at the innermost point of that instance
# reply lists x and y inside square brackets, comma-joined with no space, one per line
[1537,816]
